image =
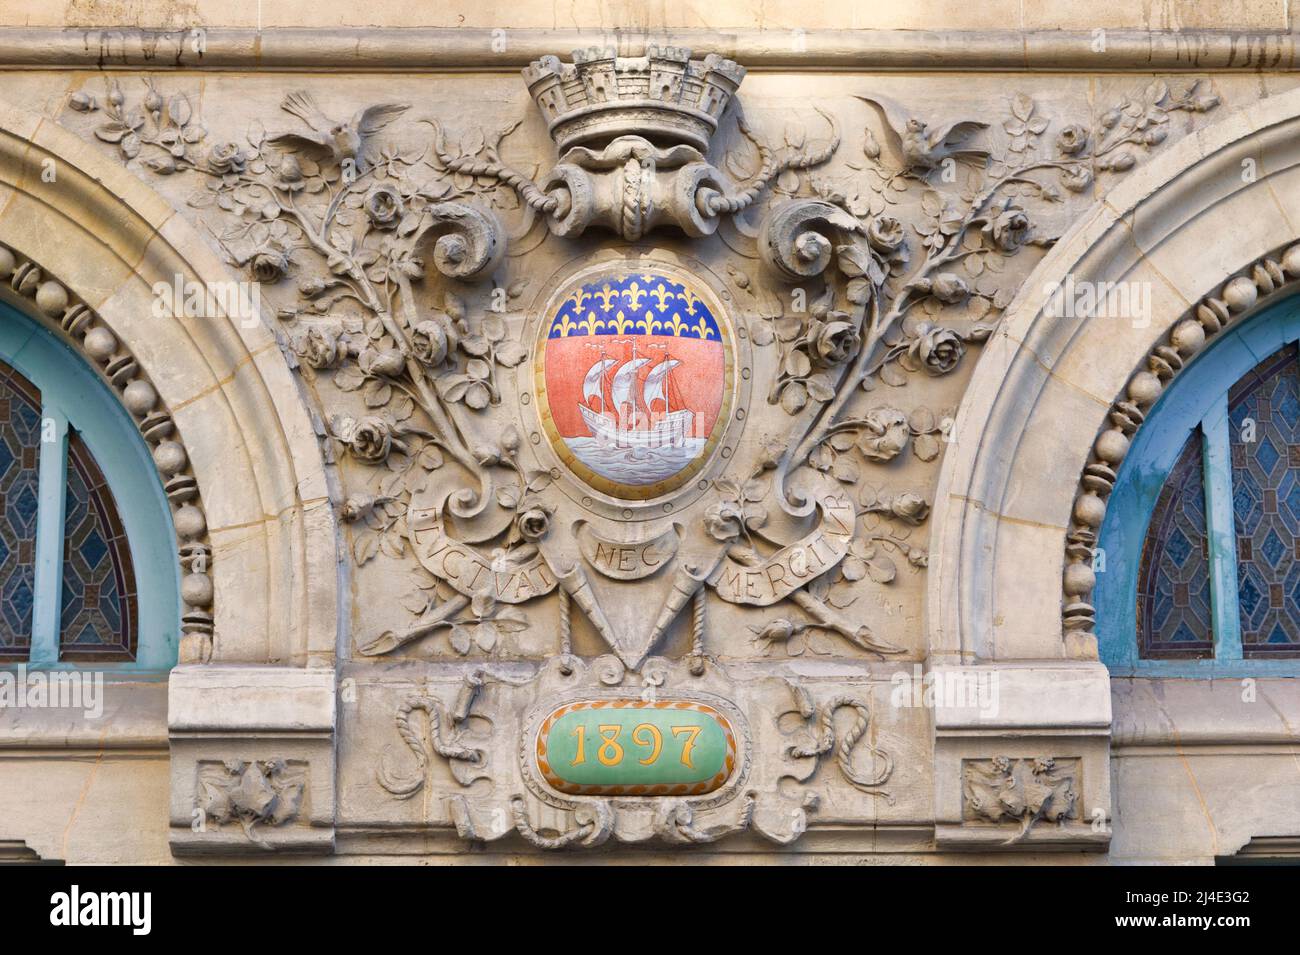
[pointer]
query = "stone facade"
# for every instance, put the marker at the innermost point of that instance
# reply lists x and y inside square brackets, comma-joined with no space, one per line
[824,593]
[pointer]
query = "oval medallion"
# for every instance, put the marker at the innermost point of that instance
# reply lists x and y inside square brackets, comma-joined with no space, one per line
[636,748]
[634,378]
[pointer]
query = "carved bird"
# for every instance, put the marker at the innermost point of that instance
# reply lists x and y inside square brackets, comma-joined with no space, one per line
[924,147]
[340,140]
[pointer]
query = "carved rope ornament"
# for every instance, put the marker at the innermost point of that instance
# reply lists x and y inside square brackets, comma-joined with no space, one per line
[79,325]
[1267,277]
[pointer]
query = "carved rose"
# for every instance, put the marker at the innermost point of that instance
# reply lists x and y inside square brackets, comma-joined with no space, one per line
[1072,140]
[321,348]
[885,234]
[1009,230]
[949,288]
[268,264]
[384,206]
[937,350]
[910,508]
[433,340]
[226,158]
[1077,179]
[83,102]
[371,439]
[722,520]
[884,434]
[533,523]
[836,342]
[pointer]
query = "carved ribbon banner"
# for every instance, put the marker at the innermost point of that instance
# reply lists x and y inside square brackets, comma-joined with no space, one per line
[513,580]
[627,560]
[762,584]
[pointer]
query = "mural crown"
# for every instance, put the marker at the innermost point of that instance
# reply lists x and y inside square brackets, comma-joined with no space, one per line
[664,95]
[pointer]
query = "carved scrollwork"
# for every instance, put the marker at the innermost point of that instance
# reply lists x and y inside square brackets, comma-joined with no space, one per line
[797,238]
[468,241]
[467,762]
[821,718]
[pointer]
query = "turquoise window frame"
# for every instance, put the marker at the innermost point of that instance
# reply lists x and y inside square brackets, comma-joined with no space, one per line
[1198,396]
[73,395]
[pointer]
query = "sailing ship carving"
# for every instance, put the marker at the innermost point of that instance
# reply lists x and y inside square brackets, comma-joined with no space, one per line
[612,426]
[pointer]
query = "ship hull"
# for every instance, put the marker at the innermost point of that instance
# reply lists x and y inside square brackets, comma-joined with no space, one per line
[669,431]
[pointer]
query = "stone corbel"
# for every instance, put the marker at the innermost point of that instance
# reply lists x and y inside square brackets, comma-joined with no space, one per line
[1021,757]
[252,759]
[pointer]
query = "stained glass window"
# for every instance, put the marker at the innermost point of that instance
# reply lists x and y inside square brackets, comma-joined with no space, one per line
[92,578]
[20,441]
[1219,577]
[1264,409]
[1174,582]
[98,606]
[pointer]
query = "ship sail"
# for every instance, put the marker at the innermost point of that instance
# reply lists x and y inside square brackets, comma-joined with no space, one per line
[591,385]
[656,381]
[620,388]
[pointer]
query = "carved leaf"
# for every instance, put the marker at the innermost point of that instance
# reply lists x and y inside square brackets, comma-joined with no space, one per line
[378,393]
[926,447]
[881,569]
[794,398]
[460,639]
[510,354]
[349,378]
[365,546]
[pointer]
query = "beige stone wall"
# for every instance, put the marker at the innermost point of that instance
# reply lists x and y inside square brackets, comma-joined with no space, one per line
[1157,767]
[634,16]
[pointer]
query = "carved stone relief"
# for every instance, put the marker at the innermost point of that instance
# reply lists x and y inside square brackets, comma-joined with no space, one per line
[642,435]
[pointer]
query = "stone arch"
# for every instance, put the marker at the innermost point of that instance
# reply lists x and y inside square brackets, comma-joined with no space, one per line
[245,428]
[1195,226]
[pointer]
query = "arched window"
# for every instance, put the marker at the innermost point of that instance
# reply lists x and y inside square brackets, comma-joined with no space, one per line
[1199,556]
[88,569]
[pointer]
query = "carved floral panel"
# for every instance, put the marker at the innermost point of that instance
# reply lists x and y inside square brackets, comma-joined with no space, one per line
[636,395]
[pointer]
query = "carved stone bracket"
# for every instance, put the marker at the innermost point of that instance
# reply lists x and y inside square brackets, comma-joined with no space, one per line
[252,759]
[1022,757]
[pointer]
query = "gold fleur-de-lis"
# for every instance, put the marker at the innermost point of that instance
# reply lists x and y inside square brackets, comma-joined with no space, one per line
[662,296]
[621,323]
[677,326]
[565,326]
[649,325]
[579,299]
[591,324]
[607,296]
[690,298]
[634,293]
[701,330]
